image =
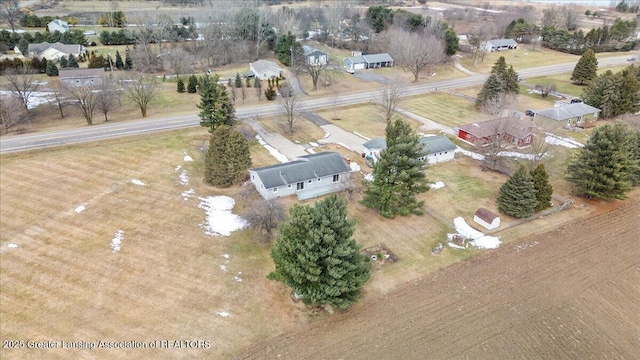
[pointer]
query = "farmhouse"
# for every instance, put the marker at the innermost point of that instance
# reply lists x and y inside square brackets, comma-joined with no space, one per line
[577,114]
[314,56]
[82,77]
[371,61]
[307,177]
[486,218]
[58,25]
[498,45]
[265,69]
[51,51]
[437,148]
[512,130]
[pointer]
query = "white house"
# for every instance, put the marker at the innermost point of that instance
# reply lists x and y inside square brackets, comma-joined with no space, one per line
[58,25]
[52,51]
[314,56]
[486,218]
[371,61]
[498,45]
[307,177]
[265,69]
[437,149]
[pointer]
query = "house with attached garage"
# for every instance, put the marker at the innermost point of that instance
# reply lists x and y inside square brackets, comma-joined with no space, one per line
[498,45]
[436,148]
[265,69]
[371,61]
[576,114]
[514,131]
[49,51]
[307,177]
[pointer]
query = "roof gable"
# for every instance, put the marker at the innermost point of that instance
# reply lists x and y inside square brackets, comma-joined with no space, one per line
[308,51]
[567,111]
[486,215]
[80,73]
[304,168]
[376,58]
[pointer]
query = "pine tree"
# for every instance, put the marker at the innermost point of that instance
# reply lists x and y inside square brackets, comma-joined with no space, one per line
[510,79]
[398,175]
[238,82]
[192,84]
[180,85]
[216,108]
[517,196]
[491,89]
[247,82]
[258,87]
[227,158]
[544,190]
[503,80]
[64,62]
[270,93]
[317,257]
[635,158]
[605,167]
[499,68]
[52,69]
[586,69]
[615,94]
[72,63]
[119,63]
[128,63]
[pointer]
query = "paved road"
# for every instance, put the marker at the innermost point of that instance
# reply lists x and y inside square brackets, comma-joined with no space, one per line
[98,132]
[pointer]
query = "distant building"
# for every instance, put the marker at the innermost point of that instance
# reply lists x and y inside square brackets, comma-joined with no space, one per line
[437,148]
[51,51]
[58,25]
[576,114]
[82,77]
[498,45]
[314,56]
[371,61]
[265,69]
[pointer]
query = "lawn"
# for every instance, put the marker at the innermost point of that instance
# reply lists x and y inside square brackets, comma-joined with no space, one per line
[363,119]
[525,56]
[444,108]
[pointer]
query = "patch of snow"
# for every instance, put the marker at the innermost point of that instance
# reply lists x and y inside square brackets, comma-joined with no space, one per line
[354,166]
[36,99]
[223,268]
[566,142]
[184,178]
[310,151]
[237,279]
[137,182]
[486,242]
[178,168]
[525,246]
[188,194]
[79,209]
[519,155]
[219,219]
[477,238]
[223,313]
[314,144]
[368,177]
[471,154]
[455,246]
[116,241]
[226,256]
[187,157]
[275,153]
[362,136]
[12,245]
[437,185]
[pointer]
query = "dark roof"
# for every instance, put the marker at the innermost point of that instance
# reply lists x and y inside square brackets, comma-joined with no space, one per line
[304,168]
[80,73]
[512,126]
[568,111]
[432,144]
[486,215]
[308,50]
[503,42]
[376,58]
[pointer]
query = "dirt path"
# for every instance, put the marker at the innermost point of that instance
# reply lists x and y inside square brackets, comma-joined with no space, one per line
[570,293]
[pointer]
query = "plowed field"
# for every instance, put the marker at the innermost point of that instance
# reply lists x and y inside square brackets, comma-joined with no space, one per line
[572,293]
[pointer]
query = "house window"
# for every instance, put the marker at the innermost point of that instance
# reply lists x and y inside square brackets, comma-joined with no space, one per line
[336,177]
[262,186]
[527,139]
[252,177]
[300,185]
[275,189]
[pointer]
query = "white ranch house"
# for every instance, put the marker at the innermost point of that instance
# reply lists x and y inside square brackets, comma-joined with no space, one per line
[51,51]
[437,148]
[371,61]
[265,69]
[307,177]
[498,45]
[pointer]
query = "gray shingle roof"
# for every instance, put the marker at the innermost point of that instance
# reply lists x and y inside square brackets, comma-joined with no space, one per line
[308,50]
[503,42]
[566,112]
[356,59]
[264,65]
[376,58]
[432,144]
[65,48]
[305,168]
[79,73]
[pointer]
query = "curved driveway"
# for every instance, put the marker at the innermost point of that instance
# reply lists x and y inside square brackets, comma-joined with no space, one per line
[92,133]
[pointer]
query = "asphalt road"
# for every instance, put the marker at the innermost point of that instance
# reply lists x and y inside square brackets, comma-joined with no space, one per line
[100,132]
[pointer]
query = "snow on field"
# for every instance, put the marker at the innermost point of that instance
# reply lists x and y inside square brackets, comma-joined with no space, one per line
[219,219]
[187,157]
[223,313]
[477,238]
[525,246]
[116,241]
[226,256]
[354,166]
[79,209]
[275,153]
[137,182]
[188,194]
[437,185]
[178,168]
[184,178]
[519,155]
[12,245]
[237,278]
[471,154]
[223,268]
[566,142]
[37,98]
[455,246]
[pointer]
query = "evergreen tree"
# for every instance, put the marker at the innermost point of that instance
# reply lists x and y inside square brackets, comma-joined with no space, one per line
[64,62]
[119,62]
[72,63]
[544,190]
[491,89]
[510,79]
[270,93]
[215,105]
[180,85]
[398,175]
[227,158]
[128,63]
[247,82]
[605,167]
[615,94]
[499,67]
[286,45]
[192,84]
[517,195]
[586,69]
[52,69]
[238,82]
[503,80]
[317,257]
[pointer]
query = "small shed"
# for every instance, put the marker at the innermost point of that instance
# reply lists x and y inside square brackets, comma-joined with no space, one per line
[486,218]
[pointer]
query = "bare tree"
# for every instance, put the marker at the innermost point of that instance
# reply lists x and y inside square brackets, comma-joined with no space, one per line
[546,89]
[10,12]
[287,21]
[414,51]
[334,14]
[500,105]
[141,90]
[264,216]
[538,150]
[108,96]
[288,105]
[390,97]
[23,83]
[258,86]
[243,93]
[314,71]
[177,59]
[84,98]
[12,112]
[58,97]
[144,53]
[494,143]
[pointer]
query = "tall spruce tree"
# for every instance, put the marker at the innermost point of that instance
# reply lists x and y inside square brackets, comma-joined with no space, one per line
[64,62]
[72,63]
[615,94]
[635,158]
[517,196]
[180,86]
[586,69]
[238,81]
[52,69]
[544,190]
[215,105]
[605,167]
[502,80]
[227,158]
[398,175]
[317,257]
[119,62]
[192,84]
[128,63]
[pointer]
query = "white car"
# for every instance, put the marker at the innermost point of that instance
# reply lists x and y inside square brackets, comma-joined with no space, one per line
[350,70]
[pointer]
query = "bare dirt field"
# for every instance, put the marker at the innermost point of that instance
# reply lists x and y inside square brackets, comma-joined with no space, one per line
[569,293]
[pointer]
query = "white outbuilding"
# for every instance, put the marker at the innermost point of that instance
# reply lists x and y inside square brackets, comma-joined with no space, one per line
[486,218]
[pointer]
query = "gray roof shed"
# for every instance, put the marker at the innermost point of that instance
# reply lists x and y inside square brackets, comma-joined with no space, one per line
[503,42]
